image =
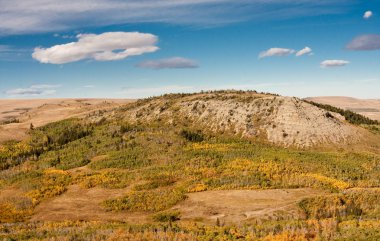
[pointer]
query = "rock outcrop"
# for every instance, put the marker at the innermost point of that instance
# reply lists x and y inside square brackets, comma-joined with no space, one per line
[285,121]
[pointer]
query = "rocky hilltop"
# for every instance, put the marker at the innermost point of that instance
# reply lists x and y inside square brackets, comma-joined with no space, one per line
[285,121]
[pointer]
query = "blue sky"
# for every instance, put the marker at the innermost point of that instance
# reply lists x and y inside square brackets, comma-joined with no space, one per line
[131,49]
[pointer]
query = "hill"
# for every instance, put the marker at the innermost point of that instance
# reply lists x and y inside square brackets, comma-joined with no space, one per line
[285,121]
[17,115]
[367,107]
[205,166]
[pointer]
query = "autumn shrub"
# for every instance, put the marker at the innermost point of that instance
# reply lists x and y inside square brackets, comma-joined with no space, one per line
[193,136]
[166,216]
[106,179]
[328,182]
[148,200]
[10,214]
[53,183]
[351,203]
[324,229]
[13,153]
[199,187]
[15,209]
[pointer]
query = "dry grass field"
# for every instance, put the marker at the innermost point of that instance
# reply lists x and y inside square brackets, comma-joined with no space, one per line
[366,107]
[17,115]
[243,206]
[78,203]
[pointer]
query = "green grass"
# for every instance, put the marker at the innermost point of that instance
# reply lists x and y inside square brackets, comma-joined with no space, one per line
[167,216]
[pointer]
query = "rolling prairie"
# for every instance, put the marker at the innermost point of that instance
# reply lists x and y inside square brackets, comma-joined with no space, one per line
[366,107]
[16,115]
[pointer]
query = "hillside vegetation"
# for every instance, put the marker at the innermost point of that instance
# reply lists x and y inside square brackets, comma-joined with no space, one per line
[283,121]
[16,115]
[350,116]
[366,107]
[155,153]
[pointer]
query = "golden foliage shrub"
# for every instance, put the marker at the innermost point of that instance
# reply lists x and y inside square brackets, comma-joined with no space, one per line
[52,183]
[148,200]
[15,209]
[328,181]
[351,203]
[107,179]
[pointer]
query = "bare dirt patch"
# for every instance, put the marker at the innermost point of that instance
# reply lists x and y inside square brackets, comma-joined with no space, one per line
[241,206]
[84,204]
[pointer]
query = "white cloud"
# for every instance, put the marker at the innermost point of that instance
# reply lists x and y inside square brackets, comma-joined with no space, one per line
[304,51]
[333,63]
[367,14]
[169,63]
[365,42]
[103,47]
[276,52]
[34,90]
[26,16]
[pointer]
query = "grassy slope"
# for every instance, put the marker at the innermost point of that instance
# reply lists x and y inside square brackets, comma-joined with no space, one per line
[162,163]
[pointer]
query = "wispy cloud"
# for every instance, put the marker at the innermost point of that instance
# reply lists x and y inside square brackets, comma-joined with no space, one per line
[367,14]
[64,36]
[304,51]
[334,63]
[169,63]
[89,86]
[9,53]
[365,42]
[103,47]
[25,16]
[285,52]
[34,90]
[276,52]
